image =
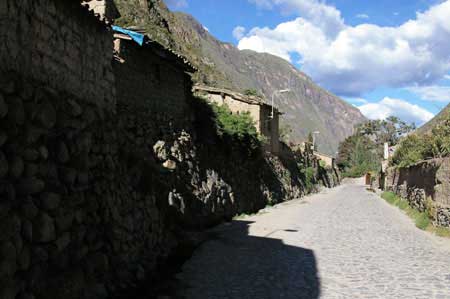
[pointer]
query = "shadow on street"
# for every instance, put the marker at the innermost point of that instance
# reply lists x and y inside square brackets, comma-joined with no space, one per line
[236,265]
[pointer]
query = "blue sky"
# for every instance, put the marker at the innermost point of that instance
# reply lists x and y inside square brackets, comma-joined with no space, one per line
[386,57]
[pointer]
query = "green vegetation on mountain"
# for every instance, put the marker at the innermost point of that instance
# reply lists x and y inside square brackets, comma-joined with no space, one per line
[440,117]
[425,145]
[307,108]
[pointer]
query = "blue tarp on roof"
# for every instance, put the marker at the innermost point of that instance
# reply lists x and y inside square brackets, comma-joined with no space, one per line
[137,37]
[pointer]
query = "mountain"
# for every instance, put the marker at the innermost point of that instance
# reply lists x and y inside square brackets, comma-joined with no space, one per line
[306,108]
[426,128]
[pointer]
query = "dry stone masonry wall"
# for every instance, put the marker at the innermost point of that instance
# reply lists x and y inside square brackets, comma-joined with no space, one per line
[60,44]
[426,187]
[99,186]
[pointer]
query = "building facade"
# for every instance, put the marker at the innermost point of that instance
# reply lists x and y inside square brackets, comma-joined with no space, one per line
[265,116]
[105,9]
[329,160]
[150,78]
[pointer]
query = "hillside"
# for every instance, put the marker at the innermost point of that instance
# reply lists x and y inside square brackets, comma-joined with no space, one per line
[306,108]
[433,122]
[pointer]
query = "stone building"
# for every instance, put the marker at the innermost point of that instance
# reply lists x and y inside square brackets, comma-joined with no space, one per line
[86,207]
[150,76]
[57,151]
[106,9]
[327,159]
[265,116]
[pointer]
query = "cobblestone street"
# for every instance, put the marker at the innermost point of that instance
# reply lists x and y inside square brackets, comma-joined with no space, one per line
[344,243]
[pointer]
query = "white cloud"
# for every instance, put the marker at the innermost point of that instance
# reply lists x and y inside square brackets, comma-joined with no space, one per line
[176,4]
[362,16]
[239,32]
[357,100]
[447,77]
[351,60]
[396,107]
[265,4]
[432,93]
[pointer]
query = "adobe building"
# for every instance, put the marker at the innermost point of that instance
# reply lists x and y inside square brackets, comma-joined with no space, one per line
[329,160]
[266,124]
[105,9]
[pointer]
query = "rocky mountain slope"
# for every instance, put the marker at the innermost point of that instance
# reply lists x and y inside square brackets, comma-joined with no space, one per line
[306,108]
[436,120]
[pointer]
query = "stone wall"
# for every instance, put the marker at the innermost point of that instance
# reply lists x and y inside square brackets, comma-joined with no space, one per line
[59,44]
[265,124]
[146,81]
[103,170]
[58,153]
[425,185]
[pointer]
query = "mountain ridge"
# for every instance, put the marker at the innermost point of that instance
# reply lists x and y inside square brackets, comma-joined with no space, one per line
[307,108]
[437,119]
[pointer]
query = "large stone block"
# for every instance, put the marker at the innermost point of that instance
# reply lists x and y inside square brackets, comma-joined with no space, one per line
[63,153]
[17,167]
[8,264]
[47,115]
[29,186]
[3,107]
[49,201]
[4,165]
[16,113]
[29,209]
[9,226]
[31,154]
[44,229]
[24,259]
[3,138]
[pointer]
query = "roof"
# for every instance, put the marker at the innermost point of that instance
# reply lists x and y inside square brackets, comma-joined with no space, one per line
[323,155]
[252,100]
[144,41]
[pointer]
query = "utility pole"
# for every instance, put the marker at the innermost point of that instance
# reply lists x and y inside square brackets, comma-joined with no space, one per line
[314,139]
[281,91]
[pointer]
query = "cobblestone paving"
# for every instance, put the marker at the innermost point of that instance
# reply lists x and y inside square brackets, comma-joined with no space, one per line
[345,243]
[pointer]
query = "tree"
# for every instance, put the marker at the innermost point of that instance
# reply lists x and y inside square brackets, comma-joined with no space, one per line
[416,147]
[252,92]
[285,131]
[363,151]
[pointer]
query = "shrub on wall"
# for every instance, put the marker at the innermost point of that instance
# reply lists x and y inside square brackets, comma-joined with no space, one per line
[232,129]
[415,148]
[240,126]
[412,149]
[309,178]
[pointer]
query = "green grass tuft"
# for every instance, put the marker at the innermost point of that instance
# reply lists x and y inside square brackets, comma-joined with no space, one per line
[421,219]
[442,231]
[390,197]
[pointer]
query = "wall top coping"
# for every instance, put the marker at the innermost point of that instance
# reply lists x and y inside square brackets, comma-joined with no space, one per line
[252,100]
[422,162]
[143,40]
[323,155]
